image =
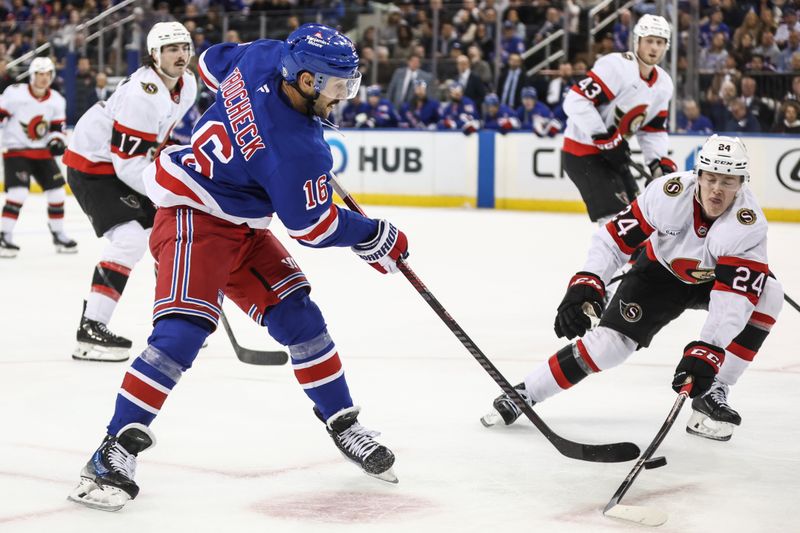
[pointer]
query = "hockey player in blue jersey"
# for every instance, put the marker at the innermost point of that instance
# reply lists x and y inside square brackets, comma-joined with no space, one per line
[499,117]
[536,116]
[421,112]
[379,112]
[258,151]
[459,113]
[351,110]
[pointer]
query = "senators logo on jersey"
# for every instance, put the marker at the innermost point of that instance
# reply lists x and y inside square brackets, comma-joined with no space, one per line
[149,88]
[631,312]
[746,216]
[673,187]
[688,270]
[629,122]
[36,128]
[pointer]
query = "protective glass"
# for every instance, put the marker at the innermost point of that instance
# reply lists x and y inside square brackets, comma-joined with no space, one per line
[338,88]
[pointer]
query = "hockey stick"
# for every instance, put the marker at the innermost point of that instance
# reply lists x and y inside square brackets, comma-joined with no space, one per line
[603,453]
[647,516]
[791,302]
[252,357]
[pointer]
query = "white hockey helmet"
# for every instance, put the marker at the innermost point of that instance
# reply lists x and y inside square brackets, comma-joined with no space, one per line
[723,155]
[41,64]
[651,25]
[164,33]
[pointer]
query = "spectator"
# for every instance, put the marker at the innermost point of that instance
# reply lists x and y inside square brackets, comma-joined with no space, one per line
[387,33]
[535,116]
[740,119]
[732,13]
[422,112]
[232,36]
[691,121]
[484,41]
[405,43]
[459,112]
[200,42]
[512,16]
[498,117]
[401,86]
[466,21]
[714,25]
[743,53]
[794,92]
[472,84]
[719,102]
[101,87]
[768,49]
[752,25]
[511,82]
[85,95]
[713,58]
[785,59]
[479,66]
[355,108]
[510,44]
[380,113]
[763,109]
[558,86]
[6,79]
[447,38]
[622,31]
[794,63]
[759,64]
[788,121]
[551,24]
[787,26]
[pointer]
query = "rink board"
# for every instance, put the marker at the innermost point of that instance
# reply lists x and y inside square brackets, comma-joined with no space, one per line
[519,170]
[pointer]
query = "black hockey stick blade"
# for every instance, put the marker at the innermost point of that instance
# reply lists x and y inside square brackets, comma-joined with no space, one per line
[604,453]
[645,515]
[253,357]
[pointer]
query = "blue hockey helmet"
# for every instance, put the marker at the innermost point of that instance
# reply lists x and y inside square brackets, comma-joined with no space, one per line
[529,92]
[492,99]
[374,90]
[325,53]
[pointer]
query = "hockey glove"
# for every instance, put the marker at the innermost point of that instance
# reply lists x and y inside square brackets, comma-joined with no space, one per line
[571,321]
[701,361]
[384,249]
[613,147]
[659,167]
[56,146]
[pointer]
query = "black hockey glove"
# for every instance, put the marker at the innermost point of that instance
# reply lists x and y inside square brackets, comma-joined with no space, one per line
[702,361]
[613,147]
[56,146]
[659,167]
[571,321]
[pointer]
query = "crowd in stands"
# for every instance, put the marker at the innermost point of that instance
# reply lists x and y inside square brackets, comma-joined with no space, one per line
[748,55]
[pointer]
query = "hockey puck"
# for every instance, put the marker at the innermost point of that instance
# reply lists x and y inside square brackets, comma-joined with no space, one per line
[655,462]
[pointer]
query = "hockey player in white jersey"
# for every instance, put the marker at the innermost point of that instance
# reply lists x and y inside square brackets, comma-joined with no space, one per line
[622,95]
[112,144]
[706,248]
[33,136]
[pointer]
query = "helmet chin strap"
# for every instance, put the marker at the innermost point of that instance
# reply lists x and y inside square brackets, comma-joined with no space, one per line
[311,101]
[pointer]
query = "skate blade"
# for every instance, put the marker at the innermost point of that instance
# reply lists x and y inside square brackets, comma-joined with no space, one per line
[91,352]
[65,250]
[387,476]
[8,254]
[90,494]
[492,418]
[702,426]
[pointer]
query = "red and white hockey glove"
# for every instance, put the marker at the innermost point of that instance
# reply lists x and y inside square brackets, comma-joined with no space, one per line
[659,167]
[384,249]
[613,147]
[571,321]
[702,362]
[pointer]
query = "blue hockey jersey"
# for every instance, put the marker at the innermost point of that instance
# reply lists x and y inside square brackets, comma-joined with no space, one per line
[252,155]
[414,115]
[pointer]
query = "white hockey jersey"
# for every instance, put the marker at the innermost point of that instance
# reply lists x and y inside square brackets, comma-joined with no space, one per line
[613,94]
[730,252]
[32,121]
[120,136]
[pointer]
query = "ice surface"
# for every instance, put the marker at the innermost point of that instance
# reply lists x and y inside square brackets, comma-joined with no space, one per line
[240,450]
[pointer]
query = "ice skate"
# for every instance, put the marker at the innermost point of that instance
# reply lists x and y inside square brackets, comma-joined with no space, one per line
[107,479]
[505,410]
[63,244]
[97,343]
[712,417]
[7,248]
[358,445]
